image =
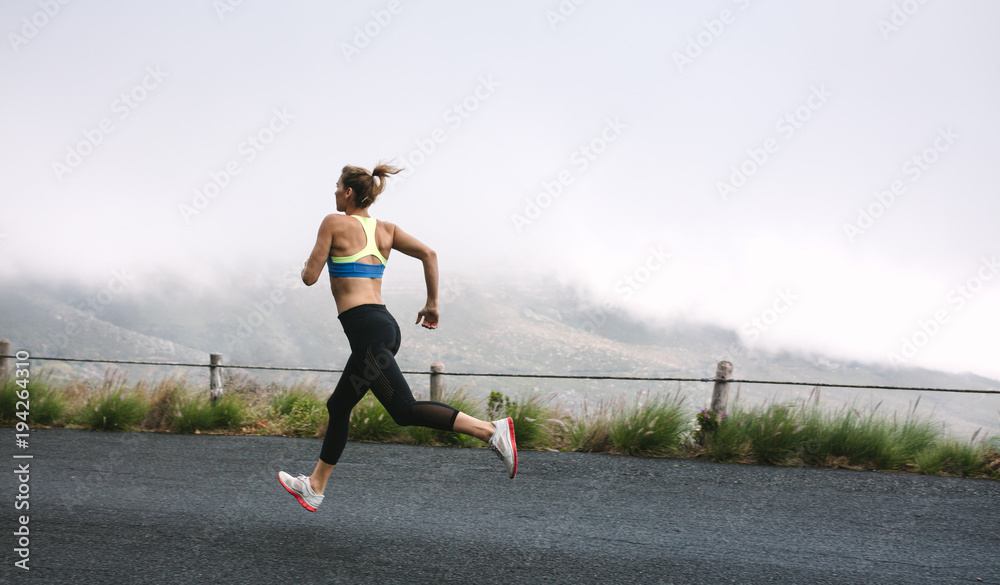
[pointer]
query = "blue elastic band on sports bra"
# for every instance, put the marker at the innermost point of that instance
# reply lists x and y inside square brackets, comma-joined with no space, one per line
[355,269]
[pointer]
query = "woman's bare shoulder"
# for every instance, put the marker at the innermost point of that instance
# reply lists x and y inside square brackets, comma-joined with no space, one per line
[332,219]
[386,227]
[338,221]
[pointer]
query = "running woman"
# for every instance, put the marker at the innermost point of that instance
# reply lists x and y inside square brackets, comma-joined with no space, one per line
[355,247]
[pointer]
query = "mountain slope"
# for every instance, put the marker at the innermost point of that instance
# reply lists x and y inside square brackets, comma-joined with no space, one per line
[533,328]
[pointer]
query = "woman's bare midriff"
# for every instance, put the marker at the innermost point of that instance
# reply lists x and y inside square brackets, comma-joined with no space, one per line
[351,292]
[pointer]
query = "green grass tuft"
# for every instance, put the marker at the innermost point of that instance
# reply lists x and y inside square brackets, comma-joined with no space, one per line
[165,400]
[298,412]
[45,404]
[284,402]
[114,410]
[200,414]
[774,436]
[530,415]
[193,414]
[653,427]
[371,422]
[729,442]
[8,401]
[307,419]
[797,434]
[590,431]
[951,457]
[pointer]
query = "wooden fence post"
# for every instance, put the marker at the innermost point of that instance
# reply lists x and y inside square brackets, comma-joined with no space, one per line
[215,376]
[437,382]
[720,394]
[4,361]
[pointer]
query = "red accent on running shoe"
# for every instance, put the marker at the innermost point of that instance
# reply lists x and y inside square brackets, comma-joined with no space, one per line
[513,444]
[297,496]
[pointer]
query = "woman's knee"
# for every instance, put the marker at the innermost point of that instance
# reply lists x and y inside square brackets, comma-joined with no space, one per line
[401,416]
[338,407]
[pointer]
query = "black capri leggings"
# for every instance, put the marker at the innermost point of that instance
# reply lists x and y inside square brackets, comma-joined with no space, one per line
[374,336]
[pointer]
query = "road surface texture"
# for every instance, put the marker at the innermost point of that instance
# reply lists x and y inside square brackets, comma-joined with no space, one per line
[131,508]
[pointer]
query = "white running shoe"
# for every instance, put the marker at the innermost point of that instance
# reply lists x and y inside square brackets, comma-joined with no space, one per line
[300,488]
[502,443]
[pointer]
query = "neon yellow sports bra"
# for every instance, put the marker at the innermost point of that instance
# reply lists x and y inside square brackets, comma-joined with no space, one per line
[348,266]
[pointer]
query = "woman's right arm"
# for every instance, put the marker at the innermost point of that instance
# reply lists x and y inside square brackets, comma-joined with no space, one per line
[411,246]
[321,251]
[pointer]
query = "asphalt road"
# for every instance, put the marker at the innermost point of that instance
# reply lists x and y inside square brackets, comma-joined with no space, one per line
[128,508]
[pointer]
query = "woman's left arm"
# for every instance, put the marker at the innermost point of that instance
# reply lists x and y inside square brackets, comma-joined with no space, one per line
[411,246]
[321,251]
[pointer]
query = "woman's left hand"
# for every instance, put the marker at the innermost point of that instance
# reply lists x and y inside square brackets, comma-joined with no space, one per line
[430,317]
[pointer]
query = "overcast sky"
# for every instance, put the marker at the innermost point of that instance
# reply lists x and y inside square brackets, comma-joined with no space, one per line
[815,175]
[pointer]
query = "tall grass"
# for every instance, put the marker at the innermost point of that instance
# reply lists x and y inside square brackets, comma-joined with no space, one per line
[774,436]
[370,421]
[296,410]
[729,442]
[196,414]
[165,399]
[851,438]
[951,457]
[114,407]
[589,430]
[533,421]
[806,435]
[284,402]
[307,419]
[653,426]
[43,402]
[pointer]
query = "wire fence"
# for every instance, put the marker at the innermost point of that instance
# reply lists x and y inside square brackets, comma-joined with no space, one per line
[523,375]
